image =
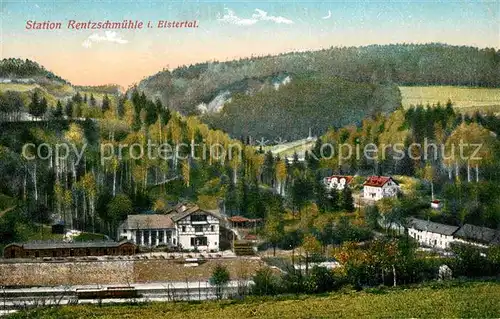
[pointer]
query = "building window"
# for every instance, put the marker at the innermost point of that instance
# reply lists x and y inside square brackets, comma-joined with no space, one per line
[198,218]
[199,241]
[183,229]
[212,228]
[153,237]
[161,236]
[198,229]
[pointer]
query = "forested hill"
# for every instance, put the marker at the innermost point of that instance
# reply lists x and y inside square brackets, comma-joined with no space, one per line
[307,102]
[190,88]
[21,78]
[13,69]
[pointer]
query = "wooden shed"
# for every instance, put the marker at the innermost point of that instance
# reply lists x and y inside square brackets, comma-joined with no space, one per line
[38,249]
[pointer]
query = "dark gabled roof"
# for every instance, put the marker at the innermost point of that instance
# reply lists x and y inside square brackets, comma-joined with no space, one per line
[477,233]
[183,210]
[163,221]
[49,244]
[148,221]
[496,240]
[433,227]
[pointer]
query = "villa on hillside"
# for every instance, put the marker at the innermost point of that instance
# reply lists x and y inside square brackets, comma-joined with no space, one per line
[337,182]
[185,226]
[378,187]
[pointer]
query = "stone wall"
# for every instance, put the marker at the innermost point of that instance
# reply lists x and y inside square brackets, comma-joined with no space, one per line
[121,272]
[66,273]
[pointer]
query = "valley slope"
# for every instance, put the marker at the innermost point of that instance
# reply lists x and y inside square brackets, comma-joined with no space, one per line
[284,95]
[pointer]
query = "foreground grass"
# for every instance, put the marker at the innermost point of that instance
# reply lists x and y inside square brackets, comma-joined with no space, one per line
[480,300]
[465,99]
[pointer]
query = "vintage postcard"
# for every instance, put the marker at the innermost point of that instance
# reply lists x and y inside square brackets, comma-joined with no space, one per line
[267,159]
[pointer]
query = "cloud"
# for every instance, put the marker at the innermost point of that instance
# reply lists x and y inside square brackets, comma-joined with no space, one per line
[230,17]
[109,36]
[263,16]
[259,15]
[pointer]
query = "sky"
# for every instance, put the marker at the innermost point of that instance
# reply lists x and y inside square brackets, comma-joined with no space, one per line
[227,30]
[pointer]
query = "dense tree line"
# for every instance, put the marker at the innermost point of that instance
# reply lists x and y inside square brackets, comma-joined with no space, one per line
[40,104]
[89,193]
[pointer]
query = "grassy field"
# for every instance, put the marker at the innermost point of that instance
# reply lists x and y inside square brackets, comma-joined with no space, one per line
[479,300]
[465,99]
[289,148]
[19,87]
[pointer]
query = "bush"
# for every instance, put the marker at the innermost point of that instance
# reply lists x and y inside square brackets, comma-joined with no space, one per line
[294,281]
[265,283]
[220,279]
[469,261]
[324,280]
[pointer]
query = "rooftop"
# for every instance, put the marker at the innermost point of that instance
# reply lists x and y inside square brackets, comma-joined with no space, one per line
[183,210]
[164,221]
[148,221]
[50,244]
[377,181]
[477,233]
[433,227]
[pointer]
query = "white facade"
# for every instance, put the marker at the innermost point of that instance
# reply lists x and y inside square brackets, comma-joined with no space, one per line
[150,237]
[185,227]
[436,204]
[198,231]
[469,242]
[430,239]
[388,189]
[336,182]
[431,234]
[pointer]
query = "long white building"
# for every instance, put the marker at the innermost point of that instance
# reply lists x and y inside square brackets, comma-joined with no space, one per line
[436,235]
[185,226]
[431,234]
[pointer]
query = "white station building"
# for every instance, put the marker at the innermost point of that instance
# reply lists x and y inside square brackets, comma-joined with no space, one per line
[185,226]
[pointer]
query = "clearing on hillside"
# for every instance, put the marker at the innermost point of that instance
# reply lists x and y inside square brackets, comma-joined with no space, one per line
[465,99]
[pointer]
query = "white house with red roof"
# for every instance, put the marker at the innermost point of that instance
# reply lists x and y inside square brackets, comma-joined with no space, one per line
[378,187]
[337,182]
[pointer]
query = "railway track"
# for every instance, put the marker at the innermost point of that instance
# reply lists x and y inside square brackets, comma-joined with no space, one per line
[25,298]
